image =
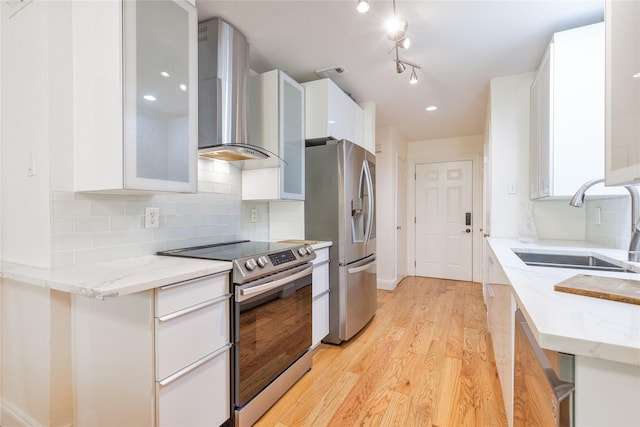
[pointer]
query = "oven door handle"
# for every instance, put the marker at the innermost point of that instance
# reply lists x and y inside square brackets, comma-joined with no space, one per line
[260,289]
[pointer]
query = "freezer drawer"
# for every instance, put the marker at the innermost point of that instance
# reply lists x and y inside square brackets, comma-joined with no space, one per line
[358,296]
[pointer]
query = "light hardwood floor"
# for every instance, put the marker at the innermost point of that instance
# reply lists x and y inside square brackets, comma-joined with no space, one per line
[424,360]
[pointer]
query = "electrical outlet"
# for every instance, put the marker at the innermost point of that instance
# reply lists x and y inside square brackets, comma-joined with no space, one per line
[151,217]
[254,215]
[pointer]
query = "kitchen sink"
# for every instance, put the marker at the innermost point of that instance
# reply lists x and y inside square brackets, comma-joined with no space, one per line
[583,262]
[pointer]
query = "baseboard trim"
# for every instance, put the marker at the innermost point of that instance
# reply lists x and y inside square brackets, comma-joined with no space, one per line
[388,285]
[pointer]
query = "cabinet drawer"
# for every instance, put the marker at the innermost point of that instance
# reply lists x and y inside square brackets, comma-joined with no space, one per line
[320,279]
[200,397]
[178,296]
[186,338]
[322,255]
[320,313]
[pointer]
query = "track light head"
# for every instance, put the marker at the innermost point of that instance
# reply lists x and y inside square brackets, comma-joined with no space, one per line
[400,67]
[404,43]
[396,28]
[363,6]
[414,77]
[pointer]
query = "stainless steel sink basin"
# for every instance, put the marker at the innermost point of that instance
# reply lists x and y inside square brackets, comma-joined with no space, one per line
[583,262]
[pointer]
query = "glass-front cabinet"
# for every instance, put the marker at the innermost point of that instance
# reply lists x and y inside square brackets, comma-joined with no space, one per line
[276,123]
[622,108]
[135,96]
[160,57]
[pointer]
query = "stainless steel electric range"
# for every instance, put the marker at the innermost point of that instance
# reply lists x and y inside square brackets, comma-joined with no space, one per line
[271,319]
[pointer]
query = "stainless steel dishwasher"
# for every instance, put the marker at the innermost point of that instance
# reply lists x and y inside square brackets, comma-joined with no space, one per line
[540,397]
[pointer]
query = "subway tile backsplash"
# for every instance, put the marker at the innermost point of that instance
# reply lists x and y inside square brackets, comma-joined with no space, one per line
[614,227]
[94,227]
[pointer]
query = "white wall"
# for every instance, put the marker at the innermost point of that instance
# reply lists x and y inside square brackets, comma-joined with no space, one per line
[444,150]
[28,124]
[390,144]
[508,163]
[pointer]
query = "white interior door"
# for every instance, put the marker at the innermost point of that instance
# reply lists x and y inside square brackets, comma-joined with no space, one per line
[443,234]
[401,229]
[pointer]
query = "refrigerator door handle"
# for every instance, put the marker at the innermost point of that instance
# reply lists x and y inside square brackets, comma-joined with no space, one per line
[370,201]
[360,268]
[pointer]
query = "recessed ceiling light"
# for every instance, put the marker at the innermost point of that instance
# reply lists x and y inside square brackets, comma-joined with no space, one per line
[636,75]
[431,108]
[363,6]
[149,97]
[183,87]
[164,74]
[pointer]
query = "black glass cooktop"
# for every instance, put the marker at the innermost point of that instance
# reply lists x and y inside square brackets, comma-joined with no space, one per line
[230,251]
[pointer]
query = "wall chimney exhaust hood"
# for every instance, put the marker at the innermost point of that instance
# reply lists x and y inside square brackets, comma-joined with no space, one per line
[223,70]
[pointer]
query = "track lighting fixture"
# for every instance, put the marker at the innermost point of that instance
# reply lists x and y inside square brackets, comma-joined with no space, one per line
[363,6]
[396,30]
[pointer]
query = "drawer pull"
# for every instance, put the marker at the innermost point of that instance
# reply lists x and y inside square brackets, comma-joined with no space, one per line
[182,372]
[318,264]
[193,308]
[187,282]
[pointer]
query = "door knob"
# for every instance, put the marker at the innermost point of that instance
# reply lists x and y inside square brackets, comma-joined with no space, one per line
[399,227]
[468,230]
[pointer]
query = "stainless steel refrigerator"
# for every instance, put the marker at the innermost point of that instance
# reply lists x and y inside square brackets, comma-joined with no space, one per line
[340,207]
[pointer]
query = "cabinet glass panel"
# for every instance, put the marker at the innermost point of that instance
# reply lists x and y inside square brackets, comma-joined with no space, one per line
[623,92]
[159,94]
[292,138]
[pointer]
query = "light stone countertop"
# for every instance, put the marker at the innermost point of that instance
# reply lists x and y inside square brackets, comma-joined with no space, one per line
[121,277]
[116,278]
[566,322]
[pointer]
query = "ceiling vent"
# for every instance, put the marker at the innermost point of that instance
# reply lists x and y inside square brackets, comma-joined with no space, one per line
[331,72]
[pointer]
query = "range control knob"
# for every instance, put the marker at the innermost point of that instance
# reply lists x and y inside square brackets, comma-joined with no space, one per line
[302,251]
[250,264]
[263,261]
[309,250]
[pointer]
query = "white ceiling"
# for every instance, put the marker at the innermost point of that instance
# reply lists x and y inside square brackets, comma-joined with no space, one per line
[460,45]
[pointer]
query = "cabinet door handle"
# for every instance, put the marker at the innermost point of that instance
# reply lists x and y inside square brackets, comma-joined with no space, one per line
[182,372]
[186,282]
[318,264]
[193,308]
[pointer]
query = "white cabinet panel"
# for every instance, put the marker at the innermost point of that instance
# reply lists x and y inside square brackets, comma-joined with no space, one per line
[277,123]
[320,327]
[320,278]
[320,293]
[567,115]
[331,113]
[622,92]
[183,340]
[189,293]
[500,321]
[198,398]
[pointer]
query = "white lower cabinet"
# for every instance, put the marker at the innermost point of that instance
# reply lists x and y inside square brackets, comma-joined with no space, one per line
[158,358]
[500,321]
[192,352]
[320,295]
[198,395]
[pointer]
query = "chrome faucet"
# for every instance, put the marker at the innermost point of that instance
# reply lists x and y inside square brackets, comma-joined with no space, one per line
[634,245]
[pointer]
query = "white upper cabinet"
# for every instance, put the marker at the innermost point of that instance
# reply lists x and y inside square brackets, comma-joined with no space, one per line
[369,126]
[622,92]
[332,113]
[134,96]
[567,115]
[277,124]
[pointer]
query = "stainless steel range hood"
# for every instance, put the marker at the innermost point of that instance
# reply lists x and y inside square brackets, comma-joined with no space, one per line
[223,70]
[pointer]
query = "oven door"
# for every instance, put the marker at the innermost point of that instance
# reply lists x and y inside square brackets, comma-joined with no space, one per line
[272,329]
